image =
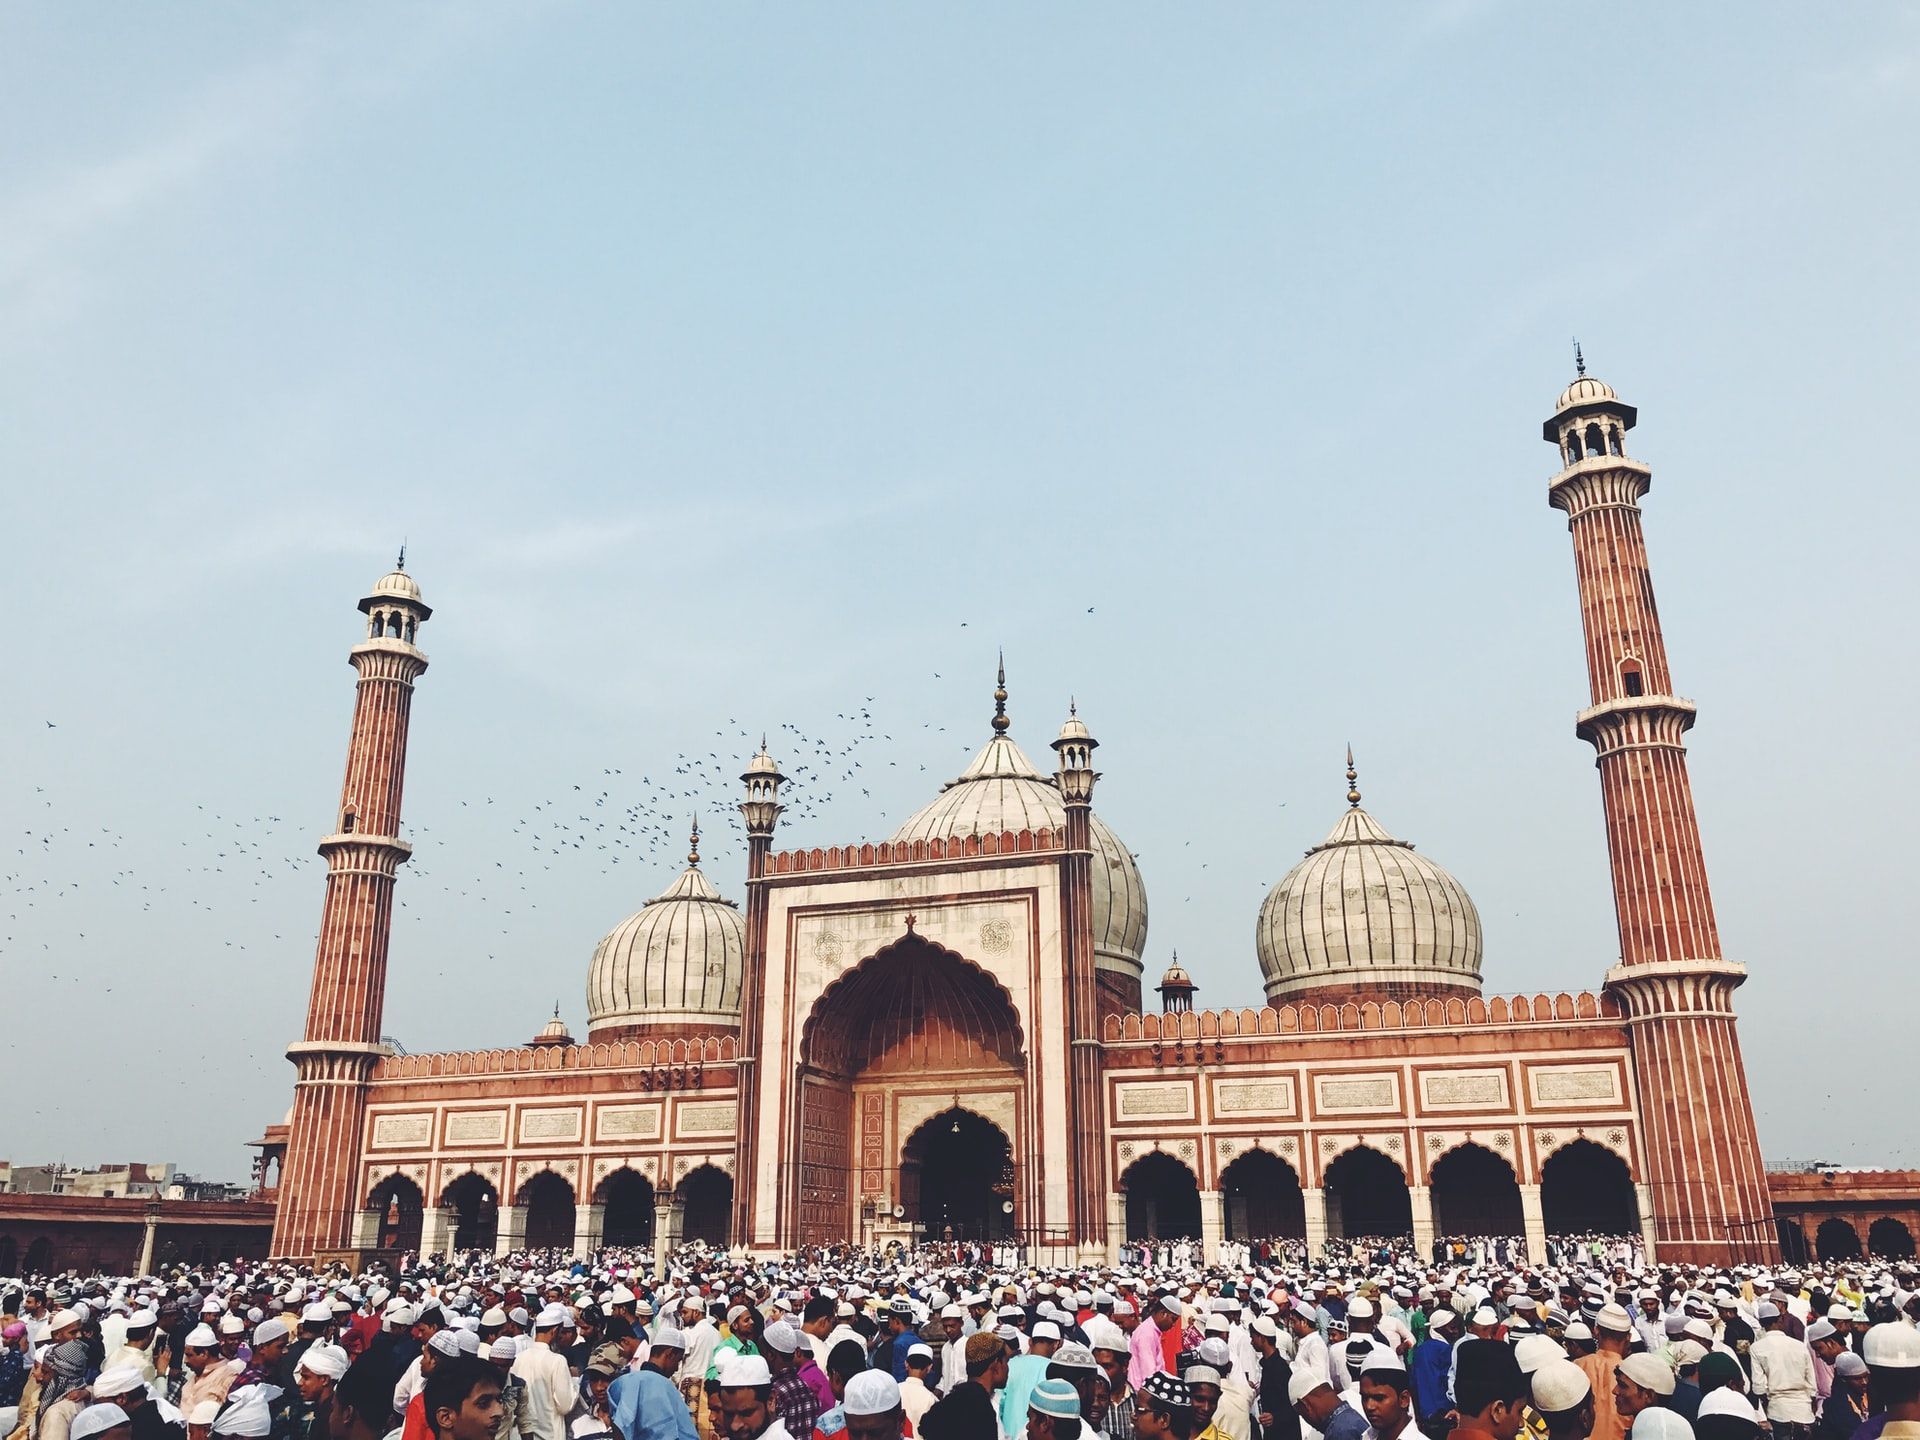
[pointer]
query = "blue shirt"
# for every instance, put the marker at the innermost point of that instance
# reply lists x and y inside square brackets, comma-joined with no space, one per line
[1346,1423]
[902,1343]
[646,1405]
[1427,1370]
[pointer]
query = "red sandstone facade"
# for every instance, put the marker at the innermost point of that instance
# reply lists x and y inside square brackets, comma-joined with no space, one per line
[929,1038]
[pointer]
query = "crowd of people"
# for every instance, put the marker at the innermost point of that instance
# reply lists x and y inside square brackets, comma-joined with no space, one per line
[1260,1342]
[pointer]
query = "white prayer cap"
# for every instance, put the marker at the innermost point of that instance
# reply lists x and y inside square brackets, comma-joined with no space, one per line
[142,1320]
[268,1331]
[120,1380]
[444,1342]
[871,1392]
[1301,1384]
[1612,1317]
[505,1348]
[1441,1318]
[1659,1423]
[1820,1330]
[1046,1330]
[919,1350]
[1215,1353]
[1767,1310]
[782,1337]
[204,1412]
[748,1372]
[1384,1357]
[318,1313]
[1649,1372]
[1892,1346]
[1260,1325]
[518,1315]
[553,1317]
[60,1320]
[493,1315]
[1688,1352]
[1486,1315]
[329,1361]
[953,1312]
[1560,1385]
[1533,1351]
[249,1411]
[201,1337]
[669,1336]
[1577,1330]
[1360,1308]
[1728,1401]
[96,1420]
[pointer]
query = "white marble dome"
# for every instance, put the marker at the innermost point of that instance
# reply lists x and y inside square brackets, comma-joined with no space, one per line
[676,962]
[1585,391]
[1364,912]
[1001,790]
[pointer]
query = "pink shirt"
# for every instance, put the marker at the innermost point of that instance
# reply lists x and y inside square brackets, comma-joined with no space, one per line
[1147,1352]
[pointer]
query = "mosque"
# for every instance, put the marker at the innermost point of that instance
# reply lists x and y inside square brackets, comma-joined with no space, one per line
[945,1032]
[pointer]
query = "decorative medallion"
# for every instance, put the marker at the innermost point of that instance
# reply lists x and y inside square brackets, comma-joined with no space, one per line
[1546,1137]
[827,946]
[1502,1141]
[996,937]
[1434,1142]
[1616,1137]
[1185,1149]
[1393,1142]
[1329,1145]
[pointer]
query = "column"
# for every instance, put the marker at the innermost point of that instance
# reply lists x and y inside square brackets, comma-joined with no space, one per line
[1535,1220]
[1117,1224]
[436,1231]
[1421,1197]
[364,1232]
[1316,1200]
[511,1234]
[147,1239]
[662,1234]
[1643,1199]
[589,1224]
[1213,1207]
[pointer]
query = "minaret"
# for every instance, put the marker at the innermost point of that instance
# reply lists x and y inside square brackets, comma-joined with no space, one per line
[760,810]
[1176,989]
[1087,1173]
[319,1188]
[1702,1163]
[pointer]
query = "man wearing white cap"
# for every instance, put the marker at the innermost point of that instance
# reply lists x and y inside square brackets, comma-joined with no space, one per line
[125,1387]
[916,1396]
[743,1399]
[645,1402]
[873,1408]
[1612,1333]
[1563,1396]
[136,1349]
[101,1422]
[549,1383]
[315,1374]
[209,1375]
[1783,1376]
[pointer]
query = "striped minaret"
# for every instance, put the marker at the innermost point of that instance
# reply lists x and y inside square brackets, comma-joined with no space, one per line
[1702,1165]
[319,1188]
[1087,1159]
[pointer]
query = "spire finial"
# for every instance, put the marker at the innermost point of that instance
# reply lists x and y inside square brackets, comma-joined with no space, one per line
[693,846]
[1073,706]
[1000,721]
[1353,780]
[556,1009]
[1579,360]
[401,563]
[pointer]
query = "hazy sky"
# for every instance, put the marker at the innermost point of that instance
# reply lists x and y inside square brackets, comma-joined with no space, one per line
[730,368]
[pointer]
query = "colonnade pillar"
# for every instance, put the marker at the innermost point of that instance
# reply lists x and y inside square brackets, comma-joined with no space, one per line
[1534,1220]
[1316,1207]
[511,1234]
[589,1226]
[1643,1201]
[1421,1199]
[436,1231]
[1212,1224]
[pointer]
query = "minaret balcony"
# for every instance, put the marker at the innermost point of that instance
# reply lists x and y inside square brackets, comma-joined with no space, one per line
[1636,722]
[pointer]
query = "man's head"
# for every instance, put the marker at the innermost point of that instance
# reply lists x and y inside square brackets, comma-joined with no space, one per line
[1383,1393]
[101,1422]
[743,1397]
[1053,1411]
[1892,1353]
[1203,1384]
[462,1398]
[1490,1393]
[872,1405]
[1564,1397]
[320,1369]
[1643,1382]
[1046,1339]
[919,1361]
[270,1341]
[987,1360]
[1166,1312]
[1165,1409]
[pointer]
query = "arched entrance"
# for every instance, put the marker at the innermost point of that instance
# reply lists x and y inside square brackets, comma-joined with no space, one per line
[39,1259]
[1836,1240]
[956,1178]
[1263,1198]
[549,1203]
[1474,1193]
[1163,1199]
[397,1200]
[1367,1195]
[9,1254]
[1586,1188]
[708,1194]
[912,1018]
[1889,1239]
[476,1212]
[628,1216]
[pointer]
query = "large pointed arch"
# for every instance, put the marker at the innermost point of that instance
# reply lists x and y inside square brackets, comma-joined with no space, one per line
[957,1177]
[1585,1187]
[399,1204]
[913,1005]
[1263,1198]
[1367,1194]
[1475,1192]
[1162,1198]
[475,1204]
[706,1195]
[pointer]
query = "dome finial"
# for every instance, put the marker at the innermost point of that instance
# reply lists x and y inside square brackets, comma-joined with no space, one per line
[401,563]
[1000,721]
[1353,779]
[693,846]
[1579,360]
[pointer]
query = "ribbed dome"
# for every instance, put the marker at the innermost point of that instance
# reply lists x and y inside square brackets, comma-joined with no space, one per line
[1363,911]
[999,791]
[1585,391]
[677,962]
[397,583]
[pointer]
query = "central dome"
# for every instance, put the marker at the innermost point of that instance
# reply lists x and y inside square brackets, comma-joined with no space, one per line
[1364,914]
[1000,790]
[673,966]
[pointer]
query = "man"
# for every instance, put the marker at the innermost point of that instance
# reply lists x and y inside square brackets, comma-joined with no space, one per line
[901,1337]
[1846,1409]
[501,1353]
[1023,1373]
[462,1399]
[1309,1348]
[125,1388]
[794,1400]
[1563,1396]
[1314,1402]
[1108,1342]
[1146,1347]
[968,1413]
[1233,1413]
[1274,1410]
[916,1396]
[316,1376]
[1612,1333]
[1386,1397]
[816,1323]
[953,1350]
[647,1404]
[743,1400]
[873,1408]
[1166,1408]
[270,1341]
[101,1422]
[1783,1378]
[1429,1369]
[1641,1382]
[315,1321]
[549,1383]
[136,1348]
[1203,1384]
[1053,1412]
[209,1376]
[1490,1393]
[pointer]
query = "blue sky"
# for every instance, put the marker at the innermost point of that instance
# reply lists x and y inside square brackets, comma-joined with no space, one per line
[724,367]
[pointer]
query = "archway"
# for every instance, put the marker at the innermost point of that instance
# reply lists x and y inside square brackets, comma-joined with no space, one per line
[628,1218]
[398,1203]
[708,1195]
[911,1010]
[1367,1195]
[39,1259]
[9,1254]
[476,1212]
[1889,1239]
[1163,1199]
[1475,1193]
[956,1178]
[1837,1240]
[1793,1241]
[1586,1188]
[549,1205]
[1263,1198]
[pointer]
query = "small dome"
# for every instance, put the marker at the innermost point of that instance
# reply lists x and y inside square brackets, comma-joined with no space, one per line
[1074,728]
[397,583]
[1364,912]
[1000,791]
[1585,391]
[554,1032]
[762,764]
[1177,977]
[676,963]
[1585,395]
